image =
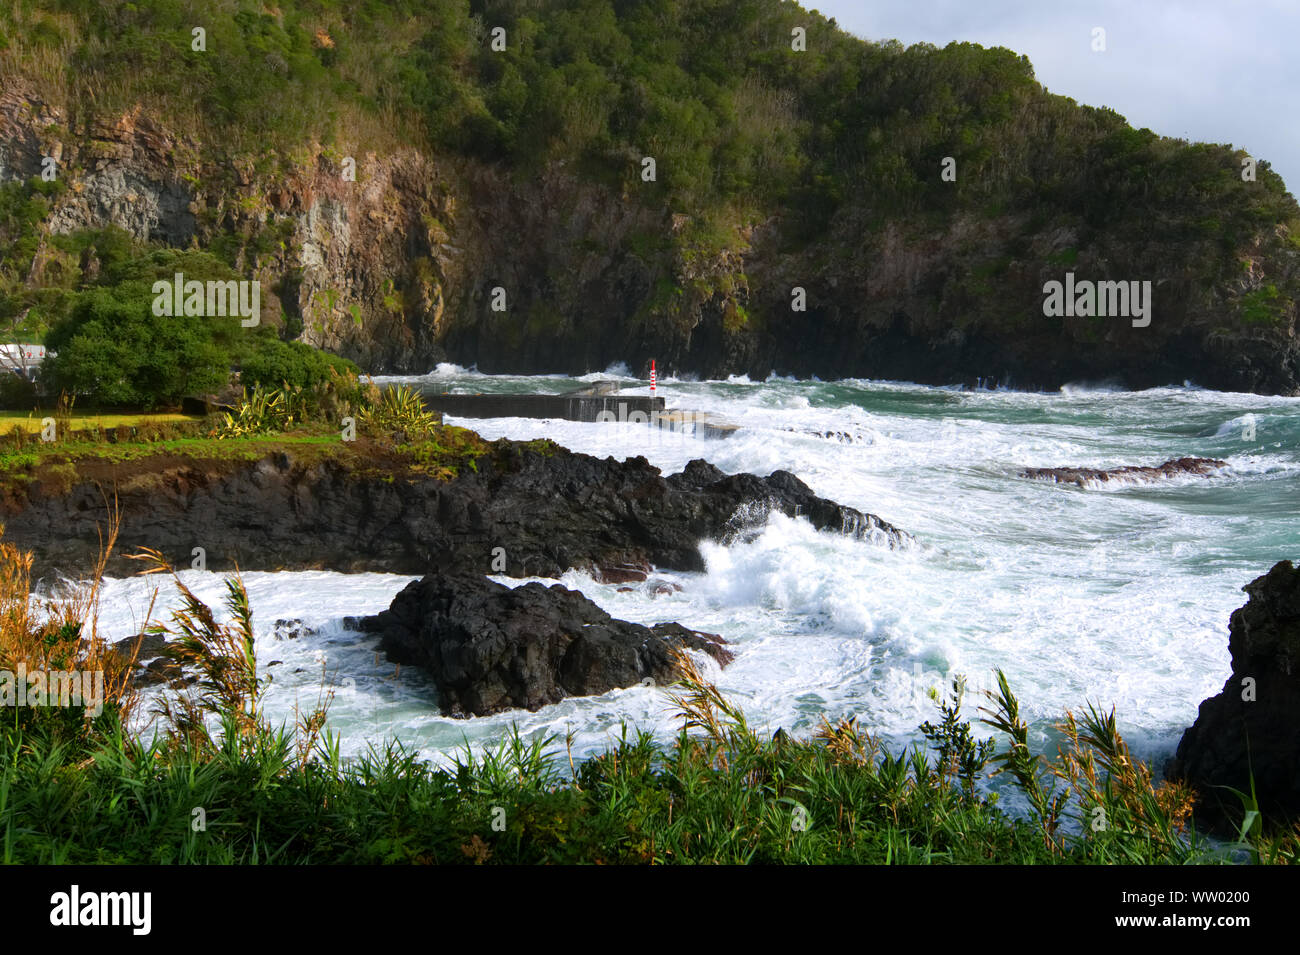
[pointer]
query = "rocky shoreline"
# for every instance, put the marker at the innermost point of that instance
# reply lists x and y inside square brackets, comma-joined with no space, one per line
[523,513]
[1129,474]
[491,648]
[526,510]
[519,512]
[1248,737]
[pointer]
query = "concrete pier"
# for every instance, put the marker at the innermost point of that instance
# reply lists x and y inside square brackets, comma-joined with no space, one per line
[699,424]
[599,401]
[567,407]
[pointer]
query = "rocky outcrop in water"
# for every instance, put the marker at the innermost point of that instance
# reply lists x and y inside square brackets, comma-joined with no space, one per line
[523,513]
[150,665]
[1253,725]
[489,647]
[1083,477]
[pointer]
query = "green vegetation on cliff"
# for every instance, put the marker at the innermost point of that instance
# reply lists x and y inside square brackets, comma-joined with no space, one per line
[775,167]
[711,88]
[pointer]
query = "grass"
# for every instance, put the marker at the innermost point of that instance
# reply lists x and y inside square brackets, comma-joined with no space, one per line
[31,456]
[30,421]
[390,434]
[219,784]
[59,631]
[64,465]
[442,451]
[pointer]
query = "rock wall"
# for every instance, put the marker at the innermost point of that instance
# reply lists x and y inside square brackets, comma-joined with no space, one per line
[1253,725]
[522,513]
[397,271]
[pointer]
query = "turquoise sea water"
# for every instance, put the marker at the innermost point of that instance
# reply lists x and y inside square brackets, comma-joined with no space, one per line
[1115,594]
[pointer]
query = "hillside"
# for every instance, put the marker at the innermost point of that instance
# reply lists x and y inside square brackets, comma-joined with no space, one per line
[523,169]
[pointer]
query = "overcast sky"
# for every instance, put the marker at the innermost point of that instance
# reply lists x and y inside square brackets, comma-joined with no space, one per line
[1223,71]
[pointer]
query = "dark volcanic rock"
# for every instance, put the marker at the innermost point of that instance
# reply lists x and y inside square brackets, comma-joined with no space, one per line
[622,573]
[291,630]
[151,666]
[1126,475]
[523,513]
[1254,724]
[491,648]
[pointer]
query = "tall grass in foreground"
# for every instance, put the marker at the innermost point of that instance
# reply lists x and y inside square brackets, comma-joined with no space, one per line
[223,656]
[220,784]
[1114,790]
[59,631]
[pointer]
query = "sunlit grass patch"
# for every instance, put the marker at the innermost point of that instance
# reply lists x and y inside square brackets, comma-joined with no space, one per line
[30,421]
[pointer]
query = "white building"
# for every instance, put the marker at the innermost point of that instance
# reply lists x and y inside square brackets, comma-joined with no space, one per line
[22,358]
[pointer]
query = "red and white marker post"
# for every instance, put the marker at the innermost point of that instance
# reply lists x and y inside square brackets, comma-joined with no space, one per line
[652,377]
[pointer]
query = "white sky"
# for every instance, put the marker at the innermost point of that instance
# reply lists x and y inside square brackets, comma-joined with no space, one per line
[1223,71]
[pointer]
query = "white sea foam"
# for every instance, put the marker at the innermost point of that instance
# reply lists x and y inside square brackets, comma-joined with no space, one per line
[1119,598]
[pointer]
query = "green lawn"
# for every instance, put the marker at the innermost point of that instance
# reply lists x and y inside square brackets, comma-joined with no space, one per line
[31,420]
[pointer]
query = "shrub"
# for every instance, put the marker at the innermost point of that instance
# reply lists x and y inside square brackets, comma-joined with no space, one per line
[398,409]
[17,393]
[274,362]
[263,410]
[114,350]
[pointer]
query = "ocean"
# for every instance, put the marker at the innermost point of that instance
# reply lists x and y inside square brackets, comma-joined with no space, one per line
[1117,595]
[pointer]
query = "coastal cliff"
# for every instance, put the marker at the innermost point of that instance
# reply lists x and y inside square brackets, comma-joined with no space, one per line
[503,226]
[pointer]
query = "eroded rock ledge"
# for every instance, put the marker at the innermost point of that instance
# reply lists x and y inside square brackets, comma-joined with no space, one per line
[523,513]
[1082,477]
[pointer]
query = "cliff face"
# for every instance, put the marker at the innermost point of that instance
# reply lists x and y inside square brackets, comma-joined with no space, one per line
[1248,737]
[399,269]
[320,245]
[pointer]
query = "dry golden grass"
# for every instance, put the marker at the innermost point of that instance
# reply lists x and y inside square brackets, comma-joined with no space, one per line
[36,64]
[30,421]
[60,631]
[1100,768]
[701,705]
[846,742]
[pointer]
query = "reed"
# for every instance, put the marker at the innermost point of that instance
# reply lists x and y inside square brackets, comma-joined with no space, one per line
[223,655]
[59,630]
[718,793]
